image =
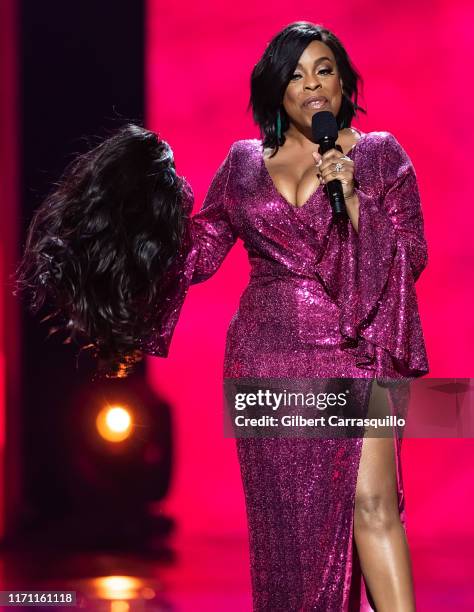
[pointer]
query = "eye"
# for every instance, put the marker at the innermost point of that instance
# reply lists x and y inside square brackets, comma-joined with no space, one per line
[321,71]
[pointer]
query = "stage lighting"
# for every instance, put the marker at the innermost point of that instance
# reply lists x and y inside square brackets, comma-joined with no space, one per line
[117,462]
[114,423]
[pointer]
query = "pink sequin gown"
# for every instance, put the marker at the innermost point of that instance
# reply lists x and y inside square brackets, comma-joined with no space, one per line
[318,304]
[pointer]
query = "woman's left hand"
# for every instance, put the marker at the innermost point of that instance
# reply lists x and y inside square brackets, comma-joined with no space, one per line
[326,167]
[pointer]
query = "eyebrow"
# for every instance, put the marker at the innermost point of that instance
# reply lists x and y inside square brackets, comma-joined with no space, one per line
[320,59]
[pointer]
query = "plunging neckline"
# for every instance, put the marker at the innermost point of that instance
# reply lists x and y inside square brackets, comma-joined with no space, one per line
[281,196]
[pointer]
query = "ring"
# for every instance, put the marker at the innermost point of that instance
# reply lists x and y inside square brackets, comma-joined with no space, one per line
[339,166]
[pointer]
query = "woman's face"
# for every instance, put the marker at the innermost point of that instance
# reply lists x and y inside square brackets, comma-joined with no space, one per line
[316,75]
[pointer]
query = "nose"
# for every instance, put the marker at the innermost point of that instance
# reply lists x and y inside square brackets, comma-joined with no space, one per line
[311,82]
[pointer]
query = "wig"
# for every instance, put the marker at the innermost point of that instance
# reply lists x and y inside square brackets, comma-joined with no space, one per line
[271,75]
[99,248]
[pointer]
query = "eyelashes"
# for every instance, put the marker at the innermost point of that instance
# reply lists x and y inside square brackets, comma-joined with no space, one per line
[324,70]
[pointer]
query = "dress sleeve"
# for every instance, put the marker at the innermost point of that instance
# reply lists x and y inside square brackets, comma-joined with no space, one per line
[209,235]
[371,274]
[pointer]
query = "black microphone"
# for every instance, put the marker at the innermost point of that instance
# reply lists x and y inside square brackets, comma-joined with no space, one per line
[325,133]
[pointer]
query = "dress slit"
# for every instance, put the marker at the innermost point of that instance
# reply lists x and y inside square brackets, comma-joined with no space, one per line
[357,596]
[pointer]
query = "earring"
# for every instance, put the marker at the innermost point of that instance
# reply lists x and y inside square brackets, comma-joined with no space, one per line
[278,125]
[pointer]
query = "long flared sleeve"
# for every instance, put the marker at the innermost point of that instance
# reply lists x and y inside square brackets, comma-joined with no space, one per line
[208,237]
[371,273]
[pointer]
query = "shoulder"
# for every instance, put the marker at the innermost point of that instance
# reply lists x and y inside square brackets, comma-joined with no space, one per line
[240,151]
[245,146]
[384,143]
[384,151]
[379,139]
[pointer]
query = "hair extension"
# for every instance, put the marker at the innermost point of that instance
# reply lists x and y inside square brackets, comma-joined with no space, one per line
[99,246]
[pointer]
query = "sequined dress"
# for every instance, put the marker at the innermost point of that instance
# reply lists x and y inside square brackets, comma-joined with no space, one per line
[319,303]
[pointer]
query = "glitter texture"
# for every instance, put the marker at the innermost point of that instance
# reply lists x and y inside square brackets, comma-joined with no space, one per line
[320,302]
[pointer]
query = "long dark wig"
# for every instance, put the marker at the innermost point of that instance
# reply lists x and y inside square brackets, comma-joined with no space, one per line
[271,75]
[99,246]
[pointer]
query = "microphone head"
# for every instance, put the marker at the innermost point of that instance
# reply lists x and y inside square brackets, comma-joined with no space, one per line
[324,126]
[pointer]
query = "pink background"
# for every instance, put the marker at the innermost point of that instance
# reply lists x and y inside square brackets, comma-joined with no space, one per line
[413,58]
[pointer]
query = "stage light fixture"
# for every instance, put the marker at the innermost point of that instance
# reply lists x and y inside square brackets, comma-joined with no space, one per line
[114,423]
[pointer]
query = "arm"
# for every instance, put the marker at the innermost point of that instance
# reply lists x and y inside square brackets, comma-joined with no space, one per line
[390,228]
[352,208]
[399,219]
[370,274]
[401,203]
[212,233]
[209,238]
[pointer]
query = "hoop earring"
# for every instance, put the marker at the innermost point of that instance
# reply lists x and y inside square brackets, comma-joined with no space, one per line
[278,125]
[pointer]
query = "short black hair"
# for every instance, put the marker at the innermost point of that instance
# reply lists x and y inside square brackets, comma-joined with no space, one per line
[271,75]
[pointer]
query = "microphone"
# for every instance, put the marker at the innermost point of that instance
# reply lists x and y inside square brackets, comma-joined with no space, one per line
[325,133]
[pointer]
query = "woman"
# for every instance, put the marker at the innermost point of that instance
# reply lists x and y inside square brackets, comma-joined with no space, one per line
[115,249]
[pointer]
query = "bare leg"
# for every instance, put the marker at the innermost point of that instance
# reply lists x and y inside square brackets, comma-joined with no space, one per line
[378,532]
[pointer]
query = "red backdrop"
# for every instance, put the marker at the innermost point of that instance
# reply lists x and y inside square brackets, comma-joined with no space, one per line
[413,59]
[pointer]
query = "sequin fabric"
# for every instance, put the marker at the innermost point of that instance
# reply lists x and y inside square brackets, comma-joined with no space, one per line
[321,302]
